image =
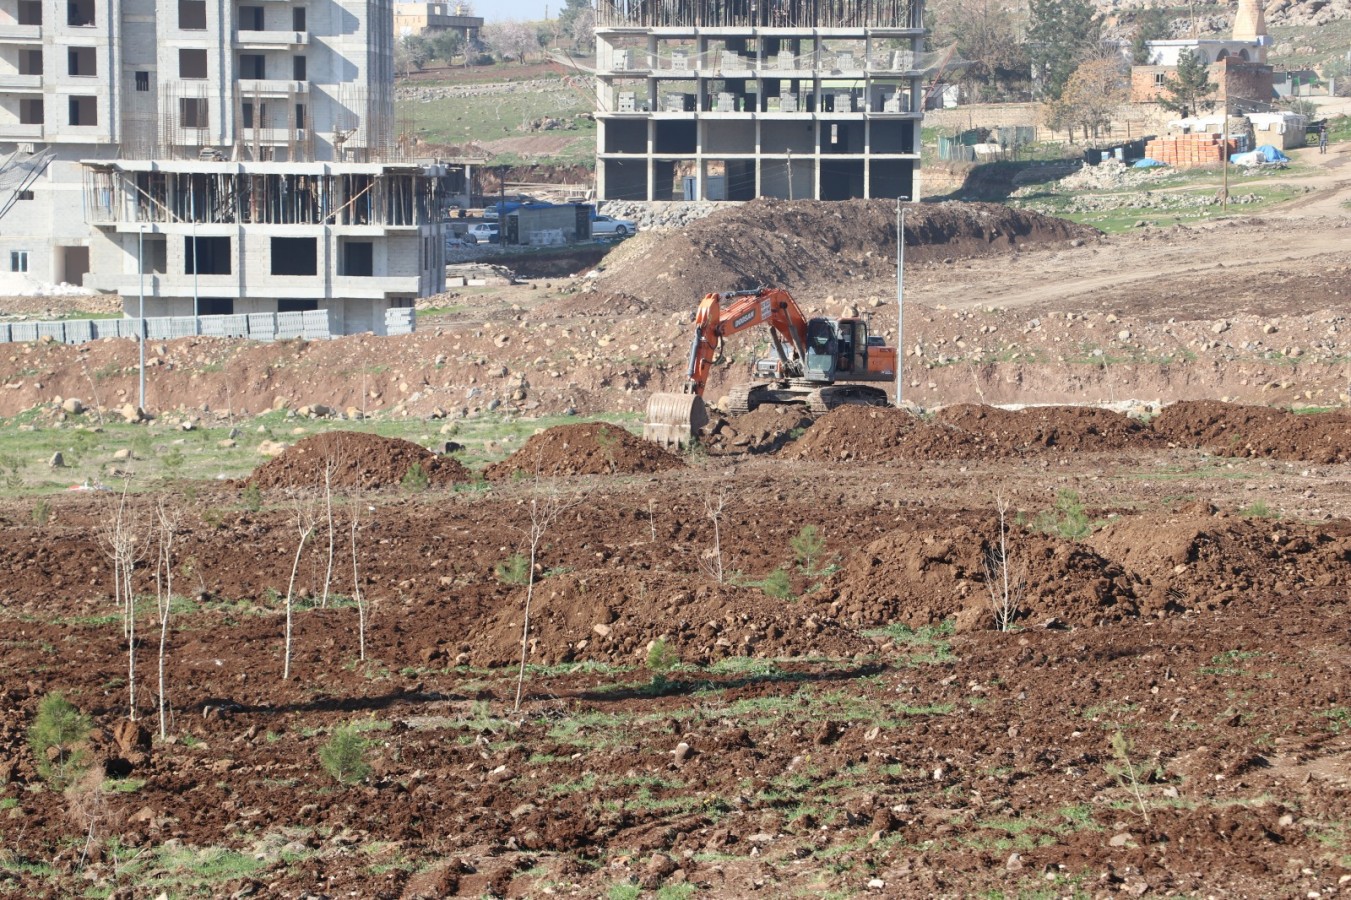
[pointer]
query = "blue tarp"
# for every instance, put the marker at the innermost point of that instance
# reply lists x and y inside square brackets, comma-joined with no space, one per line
[1147,163]
[1263,154]
[1271,154]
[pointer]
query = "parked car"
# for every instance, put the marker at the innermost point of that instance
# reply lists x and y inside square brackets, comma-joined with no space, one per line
[604,226]
[482,233]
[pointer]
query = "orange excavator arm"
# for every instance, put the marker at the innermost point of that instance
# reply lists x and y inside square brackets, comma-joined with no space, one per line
[721,315]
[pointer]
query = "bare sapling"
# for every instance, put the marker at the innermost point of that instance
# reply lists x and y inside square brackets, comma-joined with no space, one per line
[711,563]
[545,507]
[119,538]
[1005,582]
[304,523]
[330,466]
[164,597]
[652,519]
[356,581]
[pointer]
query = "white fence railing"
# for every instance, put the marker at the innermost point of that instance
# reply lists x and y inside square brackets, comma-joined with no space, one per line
[314,325]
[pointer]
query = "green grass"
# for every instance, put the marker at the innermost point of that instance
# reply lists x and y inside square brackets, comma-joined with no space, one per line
[162,453]
[923,645]
[501,114]
[1229,662]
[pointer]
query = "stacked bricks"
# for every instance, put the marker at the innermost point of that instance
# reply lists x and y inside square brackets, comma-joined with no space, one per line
[1188,151]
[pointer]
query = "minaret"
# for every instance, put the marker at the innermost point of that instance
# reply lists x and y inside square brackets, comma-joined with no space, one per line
[1251,25]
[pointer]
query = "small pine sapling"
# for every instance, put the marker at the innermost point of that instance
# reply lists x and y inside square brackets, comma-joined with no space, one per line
[343,756]
[57,738]
[661,660]
[807,546]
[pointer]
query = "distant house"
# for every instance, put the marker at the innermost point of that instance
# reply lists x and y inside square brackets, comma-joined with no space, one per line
[1238,66]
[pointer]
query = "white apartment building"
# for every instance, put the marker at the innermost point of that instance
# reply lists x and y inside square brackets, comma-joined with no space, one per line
[737,99]
[192,120]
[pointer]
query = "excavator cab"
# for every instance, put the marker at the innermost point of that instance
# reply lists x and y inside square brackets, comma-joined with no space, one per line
[822,350]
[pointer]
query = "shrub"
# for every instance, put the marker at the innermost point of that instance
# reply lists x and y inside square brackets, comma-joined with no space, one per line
[807,547]
[56,738]
[1067,518]
[515,569]
[778,584]
[252,497]
[415,479]
[661,659]
[344,755]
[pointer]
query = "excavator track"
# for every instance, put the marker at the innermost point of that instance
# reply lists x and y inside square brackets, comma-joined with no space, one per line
[823,400]
[745,397]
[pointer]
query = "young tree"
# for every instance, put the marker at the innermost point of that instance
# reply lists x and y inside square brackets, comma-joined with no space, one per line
[510,39]
[572,11]
[304,522]
[164,598]
[545,507]
[583,32]
[1150,25]
[1189,90]
[1062,34]
[1093,94]
[986,35]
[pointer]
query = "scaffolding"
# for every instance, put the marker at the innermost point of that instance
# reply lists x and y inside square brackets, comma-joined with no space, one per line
[391,199]
[904,14]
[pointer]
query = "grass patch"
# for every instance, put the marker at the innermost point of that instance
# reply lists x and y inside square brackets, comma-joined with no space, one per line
[925,645]
[1228,663]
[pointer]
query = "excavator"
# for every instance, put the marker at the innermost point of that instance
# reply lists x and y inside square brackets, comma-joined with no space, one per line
[811,357]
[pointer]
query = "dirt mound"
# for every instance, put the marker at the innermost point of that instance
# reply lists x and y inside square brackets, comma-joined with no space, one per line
[1084,428]
[610,615]
[588,448]
[361,460]
[1257,431]
[764,430]
[966,432]
[1200,558]
[924,578]
[794,244]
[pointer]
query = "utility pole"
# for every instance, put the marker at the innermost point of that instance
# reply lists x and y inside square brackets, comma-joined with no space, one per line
[140,330]
[900,295]
[196,262]
[788,168]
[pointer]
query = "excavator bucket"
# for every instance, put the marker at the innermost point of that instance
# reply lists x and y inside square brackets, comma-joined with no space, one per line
[674,419]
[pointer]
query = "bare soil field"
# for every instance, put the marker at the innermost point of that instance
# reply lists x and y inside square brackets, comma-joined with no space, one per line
[1051,651]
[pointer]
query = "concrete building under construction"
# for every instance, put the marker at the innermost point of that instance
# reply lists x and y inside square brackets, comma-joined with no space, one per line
[737,99]
[244,138]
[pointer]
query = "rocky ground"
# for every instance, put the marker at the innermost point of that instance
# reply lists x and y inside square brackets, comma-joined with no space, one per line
[832,707]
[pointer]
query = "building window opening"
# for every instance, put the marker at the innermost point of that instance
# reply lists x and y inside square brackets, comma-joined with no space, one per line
[211,256]
[192,63]
[84,111]
[192,15]
[295,256]
[251,18]
[18,260]
[142,82]
[80,13]
[82,62]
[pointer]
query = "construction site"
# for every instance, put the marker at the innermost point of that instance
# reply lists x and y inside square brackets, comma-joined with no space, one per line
[784,661]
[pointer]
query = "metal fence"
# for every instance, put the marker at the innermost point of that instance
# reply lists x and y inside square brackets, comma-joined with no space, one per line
[314,325]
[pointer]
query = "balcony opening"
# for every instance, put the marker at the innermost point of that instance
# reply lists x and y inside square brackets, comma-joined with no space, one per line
[251,18]
[252,66]
[80,13]
[30,111]
[300,115]
[30,62]
[192,112]
[30,12]
[192,15]
[142,82]
[192,63]
[84,111]
[292,305]
[215,306]
[82,62]
[295,256]
[73,264]
[298,68]
[253,118]
[298,18]
[154,255]
[211,256]
[358,259]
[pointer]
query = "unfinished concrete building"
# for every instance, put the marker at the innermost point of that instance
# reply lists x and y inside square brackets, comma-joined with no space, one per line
[737,99]
[246,137]
[225,238]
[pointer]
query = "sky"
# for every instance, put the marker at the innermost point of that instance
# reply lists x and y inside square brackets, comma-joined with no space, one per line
[525,10]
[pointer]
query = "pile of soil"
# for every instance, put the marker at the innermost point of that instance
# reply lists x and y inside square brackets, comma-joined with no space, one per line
[361,460]
[966,431]
[1227,429]
[613,615]
[921,578]
[1197,558]
[588,448]
[764,430]
[798,244]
